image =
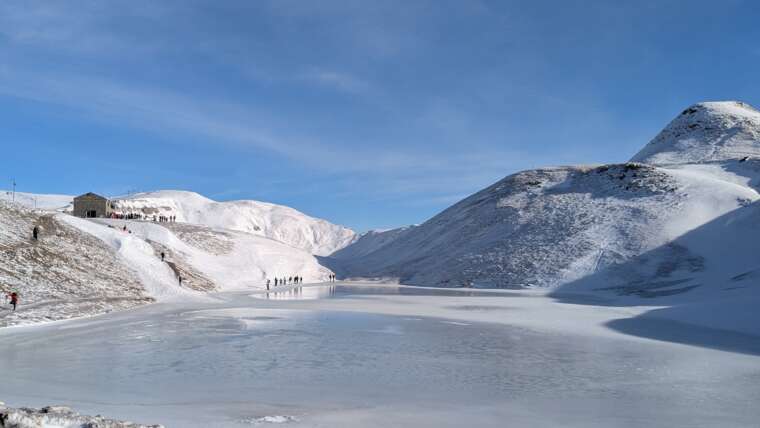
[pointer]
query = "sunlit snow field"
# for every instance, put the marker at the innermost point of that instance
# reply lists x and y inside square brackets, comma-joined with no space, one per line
[358,355]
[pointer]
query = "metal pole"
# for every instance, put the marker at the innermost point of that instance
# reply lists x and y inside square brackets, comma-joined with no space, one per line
[13,182]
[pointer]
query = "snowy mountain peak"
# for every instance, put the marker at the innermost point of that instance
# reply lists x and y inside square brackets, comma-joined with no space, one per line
[706,132]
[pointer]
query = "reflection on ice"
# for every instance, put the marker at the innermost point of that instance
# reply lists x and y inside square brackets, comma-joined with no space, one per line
[311,292]
[299,293]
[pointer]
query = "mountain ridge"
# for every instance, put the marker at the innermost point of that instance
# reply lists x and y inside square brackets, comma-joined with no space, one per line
[550,226]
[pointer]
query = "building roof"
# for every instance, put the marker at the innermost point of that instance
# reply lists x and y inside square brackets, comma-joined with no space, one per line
[91,195]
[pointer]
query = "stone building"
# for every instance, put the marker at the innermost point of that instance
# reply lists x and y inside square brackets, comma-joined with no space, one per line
[91,205]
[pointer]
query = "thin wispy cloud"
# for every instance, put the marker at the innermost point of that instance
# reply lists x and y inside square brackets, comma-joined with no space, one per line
[396,105]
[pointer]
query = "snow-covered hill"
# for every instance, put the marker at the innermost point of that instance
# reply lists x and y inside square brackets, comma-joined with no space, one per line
[217,259]
[711,131]
[66,273]
[277,222]
[551,226]
[82,267]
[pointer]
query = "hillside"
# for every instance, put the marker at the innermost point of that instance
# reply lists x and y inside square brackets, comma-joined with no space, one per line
[66,273]
[219,259]
[277,222]
[552,226]
[81,267]
[708,276]
[706,132]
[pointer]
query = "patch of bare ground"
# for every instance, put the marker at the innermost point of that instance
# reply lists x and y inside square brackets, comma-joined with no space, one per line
[191,278]
[215,242]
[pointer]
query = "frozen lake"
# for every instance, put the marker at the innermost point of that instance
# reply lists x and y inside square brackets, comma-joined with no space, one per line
[376,356]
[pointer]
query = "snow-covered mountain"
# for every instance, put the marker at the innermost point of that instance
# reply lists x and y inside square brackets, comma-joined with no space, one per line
[551,226]
[706,132]
[277,222]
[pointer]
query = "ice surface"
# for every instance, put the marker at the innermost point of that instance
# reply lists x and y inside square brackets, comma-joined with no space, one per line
[378,360]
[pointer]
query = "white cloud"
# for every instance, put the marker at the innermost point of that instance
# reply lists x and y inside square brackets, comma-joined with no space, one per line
[342,81]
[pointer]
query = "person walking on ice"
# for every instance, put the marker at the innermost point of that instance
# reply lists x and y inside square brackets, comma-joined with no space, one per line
[35,232]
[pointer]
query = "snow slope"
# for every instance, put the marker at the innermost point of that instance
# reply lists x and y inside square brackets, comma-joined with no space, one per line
[226,259]
[277,222]
[711,131]
[708,276]
[65,274]
[156,276]
[552,226]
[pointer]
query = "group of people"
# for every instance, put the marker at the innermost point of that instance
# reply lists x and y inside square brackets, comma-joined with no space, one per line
[126,216]
[141,216]
[286,281]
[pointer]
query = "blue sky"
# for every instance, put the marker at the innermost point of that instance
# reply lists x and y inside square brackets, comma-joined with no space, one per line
[369,114]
